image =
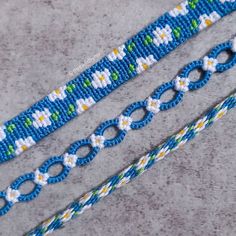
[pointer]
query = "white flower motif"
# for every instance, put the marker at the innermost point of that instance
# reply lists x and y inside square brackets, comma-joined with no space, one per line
[2,133]
[200,125]
[153,105]
[142,162]
[104,191]
[85,198]
[12,195]
[101,79]
[97,141]
[234,44]
[41,178]
[223,1]
[84,208]
[208,20]
[66,215]
[123,182]
[209,64]
[181,9]
[70,160]
[162,153]
[181,84]
[145,63]
[42,118]
[220,113]
[84,104]
[125,122]
[23,144]
[117,53]
[162,36]
[57,94]
[181,133]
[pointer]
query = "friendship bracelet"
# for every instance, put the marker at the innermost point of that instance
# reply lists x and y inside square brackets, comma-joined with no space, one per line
[122,64]
[131,172]
[123,123]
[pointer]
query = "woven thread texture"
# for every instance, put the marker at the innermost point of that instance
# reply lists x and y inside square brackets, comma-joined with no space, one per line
[131,172]
[97,141]
[124,63]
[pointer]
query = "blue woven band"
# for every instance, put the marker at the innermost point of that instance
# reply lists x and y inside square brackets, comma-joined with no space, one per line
[124,123]
[122,64]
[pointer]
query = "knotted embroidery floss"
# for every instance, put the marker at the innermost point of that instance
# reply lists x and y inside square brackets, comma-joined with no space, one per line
[131,172]
[124,123]
[132,58]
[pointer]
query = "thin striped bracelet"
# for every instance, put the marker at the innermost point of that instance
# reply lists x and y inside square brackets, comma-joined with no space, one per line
[123,123]
[122,64]
[131,172]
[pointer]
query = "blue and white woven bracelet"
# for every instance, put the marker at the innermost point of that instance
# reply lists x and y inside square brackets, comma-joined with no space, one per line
[122,64]
[77,207]
[152,105]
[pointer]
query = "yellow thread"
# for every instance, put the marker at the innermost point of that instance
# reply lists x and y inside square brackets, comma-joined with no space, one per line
[145,66]
[200,125]
[85,107]
[41,118]
[24,147]
[208,22]
[57,91]
[179,8]
[116,51]
[102,78]
[163,35]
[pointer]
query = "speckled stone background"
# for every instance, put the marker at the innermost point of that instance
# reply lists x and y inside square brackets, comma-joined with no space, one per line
[193,192]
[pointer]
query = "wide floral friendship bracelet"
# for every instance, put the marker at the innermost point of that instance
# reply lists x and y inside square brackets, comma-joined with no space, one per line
[122,64]
[123,123]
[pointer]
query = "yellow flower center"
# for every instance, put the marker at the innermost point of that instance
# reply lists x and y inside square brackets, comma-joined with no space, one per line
[220,114]
[163,35]
[142,162]
[102,78]
[85,107]
[179,8]
[66,216]
[116,51]
[162,154]
[153,104]
[210,63]
[208,22]
[40,177]
[24,147]
[98,141]
[125,122]
[104,190]
[57,91]
[41,118]
[145,66]
[181,132]
[181,83]
[200,125]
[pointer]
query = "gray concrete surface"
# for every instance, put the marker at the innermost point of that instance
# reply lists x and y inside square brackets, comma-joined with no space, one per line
[192,192]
